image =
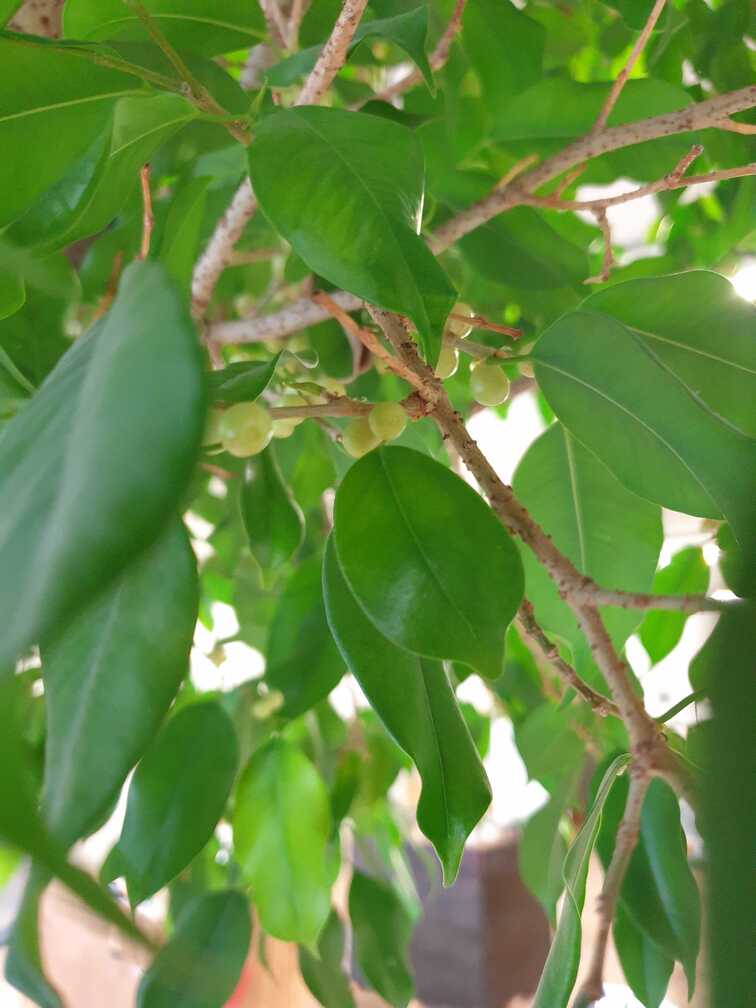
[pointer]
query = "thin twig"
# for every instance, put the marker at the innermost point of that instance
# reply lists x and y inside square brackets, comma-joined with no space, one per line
[148,219]
[591,592]
[592,988]
[227,232]
[479,322]
[608,260]
[529,625]
[437,60]
[516,170]
[619,83]
[275,21]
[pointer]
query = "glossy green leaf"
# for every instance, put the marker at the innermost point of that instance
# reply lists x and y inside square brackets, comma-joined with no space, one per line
[561,967]
[686,574]
[281,829]
[51,221]
[659,892]
[607,532]
[416,702]
[617,396]
[346,189]
[176,797]
[520,248]
[140,125]
[23,966]
[22,828]
[92,473]
[381,929]
[406,30]
[204,26]
[302,661]
[695,324]
[12,293]
[727,815]
[322,972]
[200,965]
[109,683]
[273,520]
[242,381]
[181,236]
[646,966]
[524,39]
[426,559]
[53,106]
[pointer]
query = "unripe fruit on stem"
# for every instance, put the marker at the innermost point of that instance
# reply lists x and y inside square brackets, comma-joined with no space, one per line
[212,433]
[245,429]
[458,327]
[358,438]
[285,427]
[448,360]
[526,369]
[387,420]
[489,385]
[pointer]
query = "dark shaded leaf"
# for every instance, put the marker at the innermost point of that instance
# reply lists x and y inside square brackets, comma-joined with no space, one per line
[382,930]
[273,520]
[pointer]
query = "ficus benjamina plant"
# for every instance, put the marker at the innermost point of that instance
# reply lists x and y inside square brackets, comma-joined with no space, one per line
[259,267]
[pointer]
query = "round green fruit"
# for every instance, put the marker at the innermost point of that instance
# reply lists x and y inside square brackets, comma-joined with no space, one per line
[387,420]
[489,385]
[460,327]
[447,363]
[246,429]
[358,438]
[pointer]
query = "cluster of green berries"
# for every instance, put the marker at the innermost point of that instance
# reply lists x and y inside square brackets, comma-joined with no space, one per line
[384,422]
[488,383]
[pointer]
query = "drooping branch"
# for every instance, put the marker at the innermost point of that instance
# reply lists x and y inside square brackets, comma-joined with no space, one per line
[592,988]
[229,229]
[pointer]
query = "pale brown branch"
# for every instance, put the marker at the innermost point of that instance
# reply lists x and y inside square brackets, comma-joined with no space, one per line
[592,988]
[227,232]
[437,60]
[706,114]
[333,54]
[732,126]
[148,219]
[275,21]
[549,652]
[622,76]
[594,593]
[608,261]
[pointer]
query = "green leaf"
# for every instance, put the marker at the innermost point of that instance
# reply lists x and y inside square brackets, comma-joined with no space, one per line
[108,684]
[140,126]
[91,474]
[643,420]
[382,929]
[209,27]
[524,39]
[7,9]
[541,851]
[426,559]
[727,820]
[60,102]
[273,520]
[687,574]
[550,748]
[322,972]
[695,324]
[647,967]
[406,30]
[181,236]
[520,248]
[281,830]
[12,293]
[346,190]
[302,661]
[607,532]
[415,700]
[200,965]
[659,891]
[23,966]
[243,381]
[561,967]
[739,574]
[22,828]
[176,797]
